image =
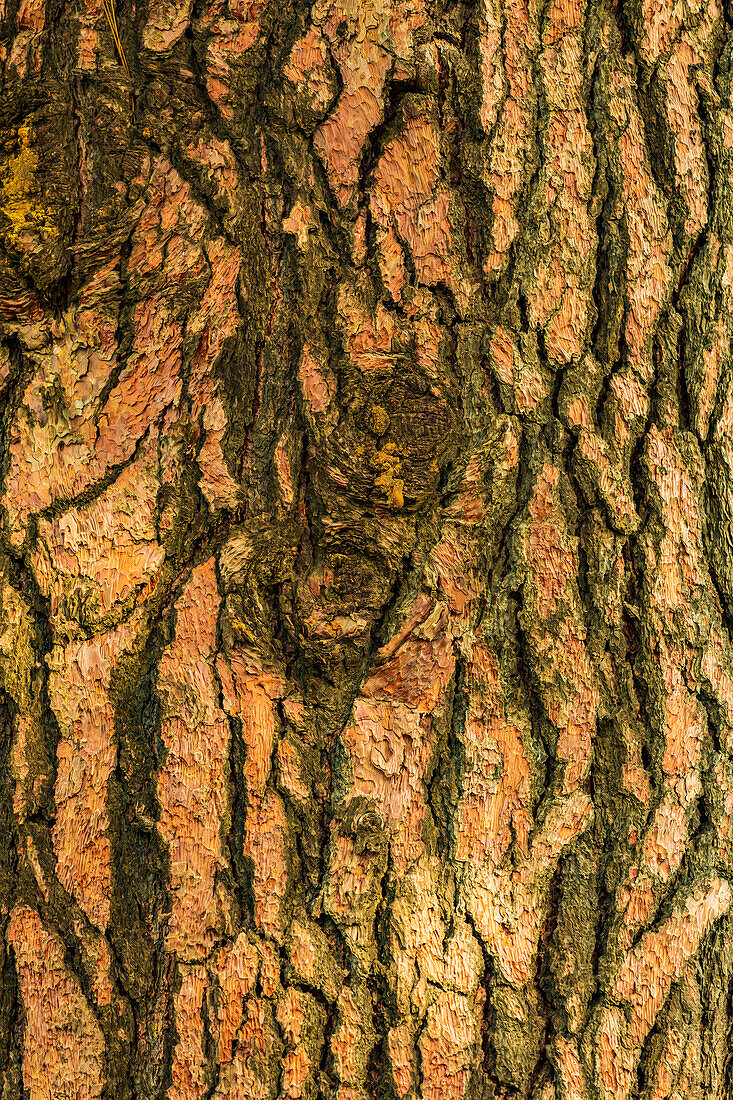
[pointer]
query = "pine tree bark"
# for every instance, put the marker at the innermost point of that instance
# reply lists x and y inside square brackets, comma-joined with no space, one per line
[366,570]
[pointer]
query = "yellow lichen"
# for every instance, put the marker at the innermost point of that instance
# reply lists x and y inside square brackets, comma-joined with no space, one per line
[377,420]
[20,197]
[388,464]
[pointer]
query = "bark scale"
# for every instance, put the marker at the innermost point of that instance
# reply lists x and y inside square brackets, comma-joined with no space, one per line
[366,577]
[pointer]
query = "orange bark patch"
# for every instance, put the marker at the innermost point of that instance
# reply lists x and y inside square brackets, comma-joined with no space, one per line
[231,27]
[453,562]
[399,1042]
[362,39]
[79,679]
[491,64]
[236,971]
[340,139]
[291,1015]
[217,158]
[345,1044]
[30,21]
[712,362]
[192,782]
[148,384]
[549,555]
[629,404]
[53,435]
[644,981]
[407,190]
[250,1072]
[560,293]
[679,569]
[609,479]
[111,542]
[369,333]
[563,16]
[390,747]
[317,381]
[421,666]
[509,145]
[508,908]
[647,271]
[265,844]
[496,788]
[451,961]
[251,694]
[569,1069]
[188,1070]
[690,161]
[306,68]
[571,696]
[665,842]
[447,1047]
[661,21]
[63,1046]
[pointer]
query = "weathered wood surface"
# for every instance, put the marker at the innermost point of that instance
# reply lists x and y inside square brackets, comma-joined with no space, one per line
[366,574]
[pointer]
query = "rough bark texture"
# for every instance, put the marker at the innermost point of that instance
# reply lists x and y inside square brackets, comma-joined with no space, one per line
[366,575]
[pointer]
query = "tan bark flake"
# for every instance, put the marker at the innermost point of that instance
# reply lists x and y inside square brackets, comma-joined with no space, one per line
[63,1048]
[192,783]
[79,680]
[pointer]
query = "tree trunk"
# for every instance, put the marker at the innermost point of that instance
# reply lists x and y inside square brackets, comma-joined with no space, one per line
[366,579]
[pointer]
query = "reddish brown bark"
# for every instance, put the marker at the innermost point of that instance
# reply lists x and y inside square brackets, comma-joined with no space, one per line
[365,557]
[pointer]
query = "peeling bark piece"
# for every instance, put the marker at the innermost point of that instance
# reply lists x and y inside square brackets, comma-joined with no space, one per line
[507,908]
[447,1047]
[564,675]
[166,23]
[496,791]
[352,1041]
[571,1077]
[148,385]
[559,290]
[229,30]
[216,319]
[254,1069]
[691,169]
[188,1071]
[660,22]
[648,273]
[408,194]
[309,69]
[63,1046]
[251,694]
[265,844]
[111,543]
[391,746]
[643,982]
[237,967]
[312,960]
[510,152]
[53,435]
[193,781]
[492,68]
[30,21]
[340,139]
[361,42]
[301,1021]
[665,841]
[79,680]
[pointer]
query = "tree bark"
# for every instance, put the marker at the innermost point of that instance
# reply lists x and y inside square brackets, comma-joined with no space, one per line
[366,569]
